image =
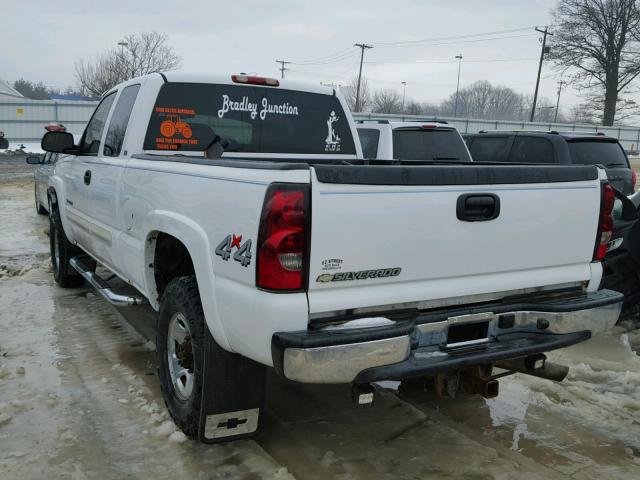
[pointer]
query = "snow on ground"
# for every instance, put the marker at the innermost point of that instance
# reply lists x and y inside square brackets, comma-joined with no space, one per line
[79,399]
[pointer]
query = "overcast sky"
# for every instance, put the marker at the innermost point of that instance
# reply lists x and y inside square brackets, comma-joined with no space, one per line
[41,40]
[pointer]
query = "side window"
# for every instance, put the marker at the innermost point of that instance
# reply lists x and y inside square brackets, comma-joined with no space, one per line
[532,150]
[119,121]
[490,149]
[93,132]
[369,138]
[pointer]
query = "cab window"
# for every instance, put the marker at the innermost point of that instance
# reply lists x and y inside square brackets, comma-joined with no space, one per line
[90,144]
[119,121]
[369,138]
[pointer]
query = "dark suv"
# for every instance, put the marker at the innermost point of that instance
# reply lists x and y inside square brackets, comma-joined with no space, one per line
[555,147]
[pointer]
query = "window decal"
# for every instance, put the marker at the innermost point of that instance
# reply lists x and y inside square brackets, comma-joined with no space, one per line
[174,129]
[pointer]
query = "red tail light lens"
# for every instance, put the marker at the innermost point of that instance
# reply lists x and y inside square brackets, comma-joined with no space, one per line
[283,238]
[605,228]
[253,80]
[634,179]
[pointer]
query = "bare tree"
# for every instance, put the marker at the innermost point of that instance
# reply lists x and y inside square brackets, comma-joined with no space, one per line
[583,114]
[545,110]
[413,108]
[387,100]
[143,53]
[483,100]
[598,41]
[349,92]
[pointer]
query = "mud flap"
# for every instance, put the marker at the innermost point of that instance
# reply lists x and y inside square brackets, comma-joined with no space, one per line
[232,395]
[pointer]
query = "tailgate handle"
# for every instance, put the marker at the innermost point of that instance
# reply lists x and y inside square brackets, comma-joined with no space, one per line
[478,207]
[87,177]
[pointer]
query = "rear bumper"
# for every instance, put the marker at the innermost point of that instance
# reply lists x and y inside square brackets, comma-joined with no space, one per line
[421,346]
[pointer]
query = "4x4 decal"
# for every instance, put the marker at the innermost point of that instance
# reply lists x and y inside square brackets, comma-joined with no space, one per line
[242,254]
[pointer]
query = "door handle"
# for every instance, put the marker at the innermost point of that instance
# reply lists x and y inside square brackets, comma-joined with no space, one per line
[478,207]
[87,177]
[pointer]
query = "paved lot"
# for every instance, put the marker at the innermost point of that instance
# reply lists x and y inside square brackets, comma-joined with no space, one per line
[79,399]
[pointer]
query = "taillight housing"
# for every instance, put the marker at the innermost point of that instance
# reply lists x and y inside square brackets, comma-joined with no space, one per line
[605,226]
[634,179]
[283,239]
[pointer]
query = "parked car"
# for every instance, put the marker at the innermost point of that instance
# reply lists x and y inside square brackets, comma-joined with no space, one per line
[264,239]
[4,143]
[41,176]
[425,140]
[555,147]
[621,266]
[46,164]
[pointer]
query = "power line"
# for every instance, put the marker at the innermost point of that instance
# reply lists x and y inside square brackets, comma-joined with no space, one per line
[324,57]
[455,37]
[487,60]
[336,59]
[282,67]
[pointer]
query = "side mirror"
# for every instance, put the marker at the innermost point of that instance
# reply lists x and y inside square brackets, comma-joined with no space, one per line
[4,143]
[624,208]
[58,142]
[35,160]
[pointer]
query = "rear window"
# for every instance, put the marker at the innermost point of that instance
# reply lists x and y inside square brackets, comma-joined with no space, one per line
[490,149]
[609,154]
[369,138]
[532,150]
[428,144]
[189,116]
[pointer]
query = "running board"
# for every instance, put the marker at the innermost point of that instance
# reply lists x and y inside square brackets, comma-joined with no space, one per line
[101,286]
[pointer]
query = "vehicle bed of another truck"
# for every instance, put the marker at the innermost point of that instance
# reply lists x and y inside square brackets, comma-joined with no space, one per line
[241,209]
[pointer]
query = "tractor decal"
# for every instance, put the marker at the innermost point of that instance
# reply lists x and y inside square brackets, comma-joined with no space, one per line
[172,127]
[173,124]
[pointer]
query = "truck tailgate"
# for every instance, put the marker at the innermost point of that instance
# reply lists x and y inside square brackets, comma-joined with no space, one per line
[384,235]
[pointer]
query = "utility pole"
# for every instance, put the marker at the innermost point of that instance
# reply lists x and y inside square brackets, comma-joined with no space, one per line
[363,47]
[560,84]
[544,50]
[404,91]
[455,110]
[282,67]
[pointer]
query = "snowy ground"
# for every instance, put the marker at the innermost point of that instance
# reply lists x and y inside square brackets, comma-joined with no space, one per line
[79,399]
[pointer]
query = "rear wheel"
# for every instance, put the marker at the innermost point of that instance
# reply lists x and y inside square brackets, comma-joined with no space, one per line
[62,250]
[187,355]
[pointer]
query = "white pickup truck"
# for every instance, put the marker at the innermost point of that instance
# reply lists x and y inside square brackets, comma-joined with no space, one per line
[240,208]
[416,140]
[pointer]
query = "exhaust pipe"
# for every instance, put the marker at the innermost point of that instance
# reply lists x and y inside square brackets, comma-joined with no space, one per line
[537,366]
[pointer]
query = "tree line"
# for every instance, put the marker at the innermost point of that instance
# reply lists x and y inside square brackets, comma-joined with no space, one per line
[479,100]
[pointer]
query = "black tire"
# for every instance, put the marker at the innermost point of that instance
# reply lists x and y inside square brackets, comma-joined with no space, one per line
[224,370]
[62,250]
[39,208]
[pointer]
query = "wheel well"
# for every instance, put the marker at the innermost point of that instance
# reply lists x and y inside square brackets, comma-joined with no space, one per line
[171,259]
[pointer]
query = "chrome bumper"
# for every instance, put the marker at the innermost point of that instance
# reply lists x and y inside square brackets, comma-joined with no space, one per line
[410,348]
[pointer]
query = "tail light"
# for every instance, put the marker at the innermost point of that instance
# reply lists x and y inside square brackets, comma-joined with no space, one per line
[253,80]
[634,179]
[284,238]
[605,227]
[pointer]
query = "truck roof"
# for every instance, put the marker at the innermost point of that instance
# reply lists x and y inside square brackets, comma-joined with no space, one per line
[566,135]
[225,79]
[393,125]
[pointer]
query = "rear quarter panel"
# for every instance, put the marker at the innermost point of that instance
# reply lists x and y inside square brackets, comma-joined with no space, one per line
[201,205]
